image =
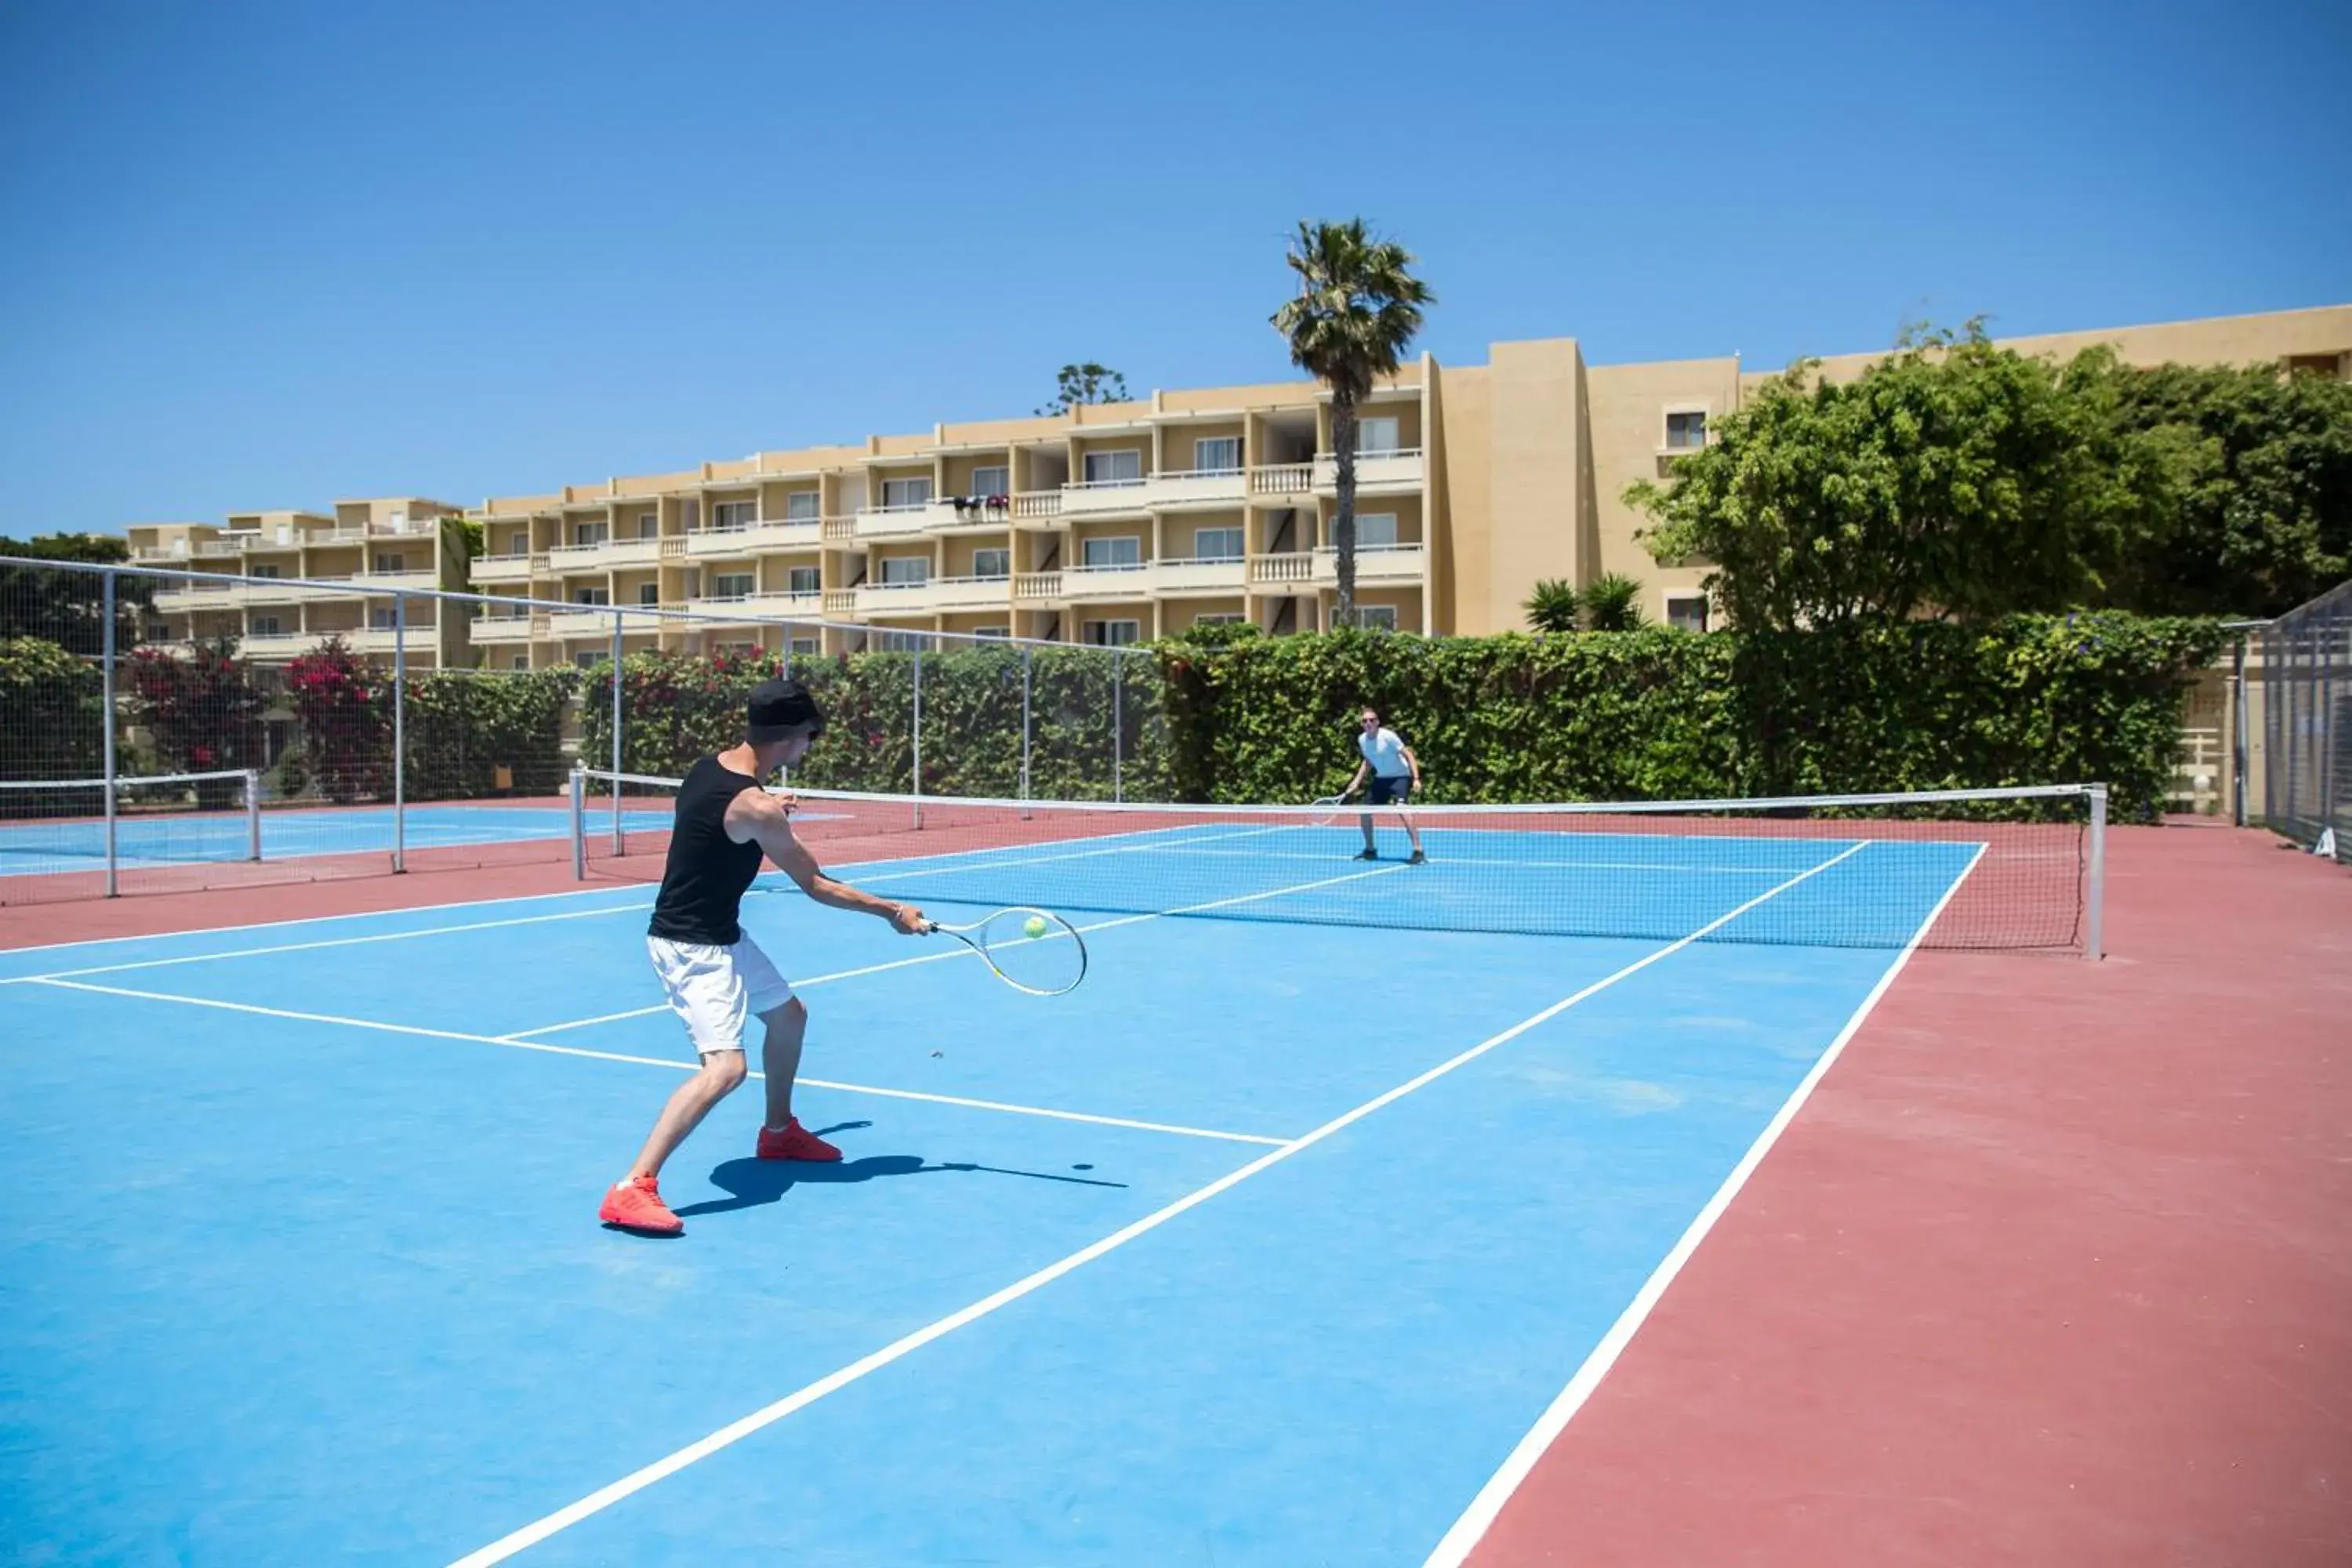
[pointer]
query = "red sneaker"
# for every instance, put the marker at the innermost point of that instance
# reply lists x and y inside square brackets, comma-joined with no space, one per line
[795,1141]
[636,1204]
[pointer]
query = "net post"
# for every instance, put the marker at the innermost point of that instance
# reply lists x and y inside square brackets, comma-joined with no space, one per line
[1118,726]
[106,718]
[579,823]
[253,813]
[1025,653]
[919,736]
[399,734]
[2094,913]
[618,847]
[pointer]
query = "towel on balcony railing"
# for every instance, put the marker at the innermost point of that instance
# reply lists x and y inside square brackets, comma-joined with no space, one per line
[986,506]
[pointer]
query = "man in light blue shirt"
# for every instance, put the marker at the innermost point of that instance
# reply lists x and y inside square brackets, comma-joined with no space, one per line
[1395,773]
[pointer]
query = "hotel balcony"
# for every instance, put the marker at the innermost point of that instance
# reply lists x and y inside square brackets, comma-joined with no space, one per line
[1176,575]
[1175,490]
[1379,563]
[1106,498]
[187,597]
[1037,508]
[1377,473]
[282,645]
[602,556]
[519,568]
[756,607]
[893,521]
[379,581]
[753,539]
[933,596]
[499,627]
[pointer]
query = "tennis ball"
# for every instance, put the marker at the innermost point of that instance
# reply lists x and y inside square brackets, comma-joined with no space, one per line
[1034,926]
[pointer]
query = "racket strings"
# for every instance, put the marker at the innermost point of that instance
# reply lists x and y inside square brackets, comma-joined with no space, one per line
[1033,949]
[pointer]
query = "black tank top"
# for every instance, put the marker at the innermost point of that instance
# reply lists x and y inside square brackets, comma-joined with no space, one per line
[702,886]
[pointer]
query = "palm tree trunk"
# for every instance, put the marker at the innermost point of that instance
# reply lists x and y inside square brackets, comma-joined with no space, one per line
[1343,527]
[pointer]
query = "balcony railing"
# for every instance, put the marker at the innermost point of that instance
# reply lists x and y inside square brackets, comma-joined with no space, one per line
[1282,479]
[1298,567]
[892,521]
[750,538]
[839,529]
[1090,498]
[1031,505]
[1037,585]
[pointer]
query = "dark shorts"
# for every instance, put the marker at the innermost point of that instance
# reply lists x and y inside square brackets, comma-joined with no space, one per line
[1388,792]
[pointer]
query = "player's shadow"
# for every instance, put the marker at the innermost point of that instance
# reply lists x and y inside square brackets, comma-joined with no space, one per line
[752,1183]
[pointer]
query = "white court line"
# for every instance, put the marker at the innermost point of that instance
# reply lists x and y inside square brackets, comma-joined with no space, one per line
[523,1045]
[960,951]
[604,1496]
[1458,1543]
[434,930]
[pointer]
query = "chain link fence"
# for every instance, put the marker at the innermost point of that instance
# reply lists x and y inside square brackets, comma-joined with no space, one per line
[2305,685]
[166,730]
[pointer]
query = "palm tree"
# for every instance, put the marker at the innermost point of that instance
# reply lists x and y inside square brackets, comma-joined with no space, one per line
[1552,606]
[1358,310]
[1612,603]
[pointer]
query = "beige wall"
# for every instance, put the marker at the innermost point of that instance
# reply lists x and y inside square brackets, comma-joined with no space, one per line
[1626,412]
[1534,435]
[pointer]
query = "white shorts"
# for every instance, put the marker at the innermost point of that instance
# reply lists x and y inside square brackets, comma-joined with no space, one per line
[713,990]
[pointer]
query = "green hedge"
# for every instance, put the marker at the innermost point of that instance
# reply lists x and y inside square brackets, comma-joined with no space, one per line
[1663,714]
[53,717]
[678,707]
[464,725]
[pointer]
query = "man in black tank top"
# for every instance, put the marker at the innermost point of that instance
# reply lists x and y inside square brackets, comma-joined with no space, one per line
[716,977]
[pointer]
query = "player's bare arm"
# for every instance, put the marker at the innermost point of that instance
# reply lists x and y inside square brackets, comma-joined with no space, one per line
[755,817]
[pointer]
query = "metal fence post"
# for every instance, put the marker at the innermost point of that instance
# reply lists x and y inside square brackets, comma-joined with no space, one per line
[399,733]
[1117,725]
[106,718]
[253,813]
[919,734]
[1025,653]
[618,847]
[2238,734]
[2094,915]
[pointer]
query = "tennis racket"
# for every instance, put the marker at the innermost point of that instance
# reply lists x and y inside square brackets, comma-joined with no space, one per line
[1328,809]
[1034,950]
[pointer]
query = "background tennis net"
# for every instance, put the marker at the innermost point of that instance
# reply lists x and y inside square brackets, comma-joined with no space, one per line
[2010,868]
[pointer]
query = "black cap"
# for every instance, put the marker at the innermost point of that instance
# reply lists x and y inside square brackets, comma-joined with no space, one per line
[778,709]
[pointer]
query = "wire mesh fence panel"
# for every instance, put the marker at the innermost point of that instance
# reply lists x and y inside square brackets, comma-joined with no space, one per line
[2306,697]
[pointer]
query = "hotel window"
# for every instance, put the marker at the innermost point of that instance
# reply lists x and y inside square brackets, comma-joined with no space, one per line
[801,580]
[391,561]
[592,596]
[806,647]
[588,658]
[991,631]
[1686,429]
[1380,615]
[689,515]
[991,563]
[898,493]
[733,516]
[730,584]
[265,626]
[1217,618]
[521,662]
[1216,544]
[648,592]
[258,570]
[1111,633]
[801,505]
[1124,549]
[991,482]
[1218,455]
[1376,436]
[1687,612]
[382,619]
[1124,467]
[901,642]
[1376,531]
[905,568]
[589,533]
[648,525]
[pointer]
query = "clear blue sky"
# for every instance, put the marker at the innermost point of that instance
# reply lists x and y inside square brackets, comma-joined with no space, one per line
[268,256]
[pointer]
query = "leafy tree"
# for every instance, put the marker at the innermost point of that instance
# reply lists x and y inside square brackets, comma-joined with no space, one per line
[1085,384]
[53,713]
[1612,603]
[345,704]
[2260,472]
[1552,606]
[1953,479]
[1357,311]
[68,608]
[202,712]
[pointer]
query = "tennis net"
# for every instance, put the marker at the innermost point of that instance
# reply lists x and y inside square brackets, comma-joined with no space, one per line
[66,827]
[1989,868]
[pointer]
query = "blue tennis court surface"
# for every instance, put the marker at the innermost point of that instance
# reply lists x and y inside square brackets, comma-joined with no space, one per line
[1266,1246]
[38,849]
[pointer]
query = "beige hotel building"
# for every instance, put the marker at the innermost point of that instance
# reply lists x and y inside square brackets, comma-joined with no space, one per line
[1111,524]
